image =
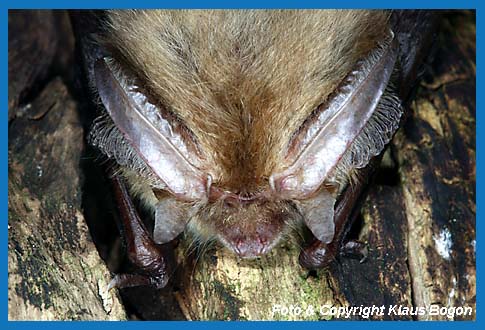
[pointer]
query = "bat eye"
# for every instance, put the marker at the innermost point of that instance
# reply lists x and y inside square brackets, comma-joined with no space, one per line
[151,143]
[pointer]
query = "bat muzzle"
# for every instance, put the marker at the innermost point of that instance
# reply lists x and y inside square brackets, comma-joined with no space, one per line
[252,227]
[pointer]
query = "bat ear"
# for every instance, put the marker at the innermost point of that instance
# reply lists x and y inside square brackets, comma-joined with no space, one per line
[318,213]
[152,138]
[323,140]
[170,220]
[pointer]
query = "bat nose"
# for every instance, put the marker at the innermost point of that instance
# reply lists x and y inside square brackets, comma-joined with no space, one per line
[253,229]
[251,247]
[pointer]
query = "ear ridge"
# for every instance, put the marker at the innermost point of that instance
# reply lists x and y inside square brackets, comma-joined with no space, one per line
[338,124]
[376,134]
[151,145]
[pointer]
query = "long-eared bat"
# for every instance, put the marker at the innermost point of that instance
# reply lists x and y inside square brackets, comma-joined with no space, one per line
[240,126]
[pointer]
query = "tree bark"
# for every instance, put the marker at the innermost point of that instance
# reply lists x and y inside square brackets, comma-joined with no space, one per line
[436,156]
[55,272]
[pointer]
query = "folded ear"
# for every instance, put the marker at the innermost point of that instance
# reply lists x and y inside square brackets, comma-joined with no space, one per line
[320,145]
[153,139]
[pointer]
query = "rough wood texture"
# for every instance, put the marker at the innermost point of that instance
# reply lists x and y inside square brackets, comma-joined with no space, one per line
[223,288]
[420,224]
[436,156]
[32,42]
[384,278]
[55,272]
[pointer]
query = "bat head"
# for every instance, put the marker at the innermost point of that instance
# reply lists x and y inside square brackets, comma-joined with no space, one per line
[245,118]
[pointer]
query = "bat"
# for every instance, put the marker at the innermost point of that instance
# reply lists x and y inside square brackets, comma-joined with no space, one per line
[241,126]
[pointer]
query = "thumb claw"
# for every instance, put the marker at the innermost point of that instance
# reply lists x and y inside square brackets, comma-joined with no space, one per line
[122,281]
[113,283]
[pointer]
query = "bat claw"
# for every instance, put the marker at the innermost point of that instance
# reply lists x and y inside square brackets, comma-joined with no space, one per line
[355,249]
[113,283]
[122,281]
[150,258]
[317,255]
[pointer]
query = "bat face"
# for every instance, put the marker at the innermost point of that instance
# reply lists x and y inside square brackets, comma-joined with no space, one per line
[240,126]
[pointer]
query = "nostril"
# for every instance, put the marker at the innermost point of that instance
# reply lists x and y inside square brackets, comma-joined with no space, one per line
[231,202]
[250,247]
[228,204]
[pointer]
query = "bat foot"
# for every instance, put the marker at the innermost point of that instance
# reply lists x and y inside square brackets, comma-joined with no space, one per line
[320,255]
[150,259]
[122,281]
[355,249]
[317,255]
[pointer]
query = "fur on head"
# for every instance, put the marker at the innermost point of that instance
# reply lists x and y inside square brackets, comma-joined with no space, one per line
[242,80]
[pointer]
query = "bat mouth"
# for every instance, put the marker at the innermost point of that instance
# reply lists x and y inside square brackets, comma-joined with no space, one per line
[250,246]
[254,229]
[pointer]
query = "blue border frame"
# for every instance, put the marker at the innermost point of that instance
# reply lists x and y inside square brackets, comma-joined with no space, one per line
[60,4]
[102,4]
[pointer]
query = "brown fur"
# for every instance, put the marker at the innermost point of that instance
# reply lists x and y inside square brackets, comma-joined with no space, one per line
[242,81]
